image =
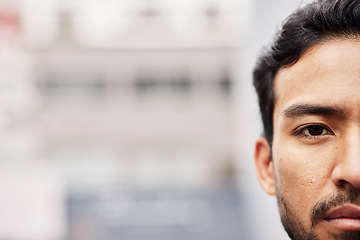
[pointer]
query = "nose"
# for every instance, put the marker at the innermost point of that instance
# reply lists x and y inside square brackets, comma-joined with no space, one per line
[347,168]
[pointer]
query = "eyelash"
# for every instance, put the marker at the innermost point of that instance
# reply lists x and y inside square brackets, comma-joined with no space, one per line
[301,131]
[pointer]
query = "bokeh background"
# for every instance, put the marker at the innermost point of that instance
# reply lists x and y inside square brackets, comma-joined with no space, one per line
[132,119]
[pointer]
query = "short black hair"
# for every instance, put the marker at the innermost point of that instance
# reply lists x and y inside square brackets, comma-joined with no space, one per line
[317,22]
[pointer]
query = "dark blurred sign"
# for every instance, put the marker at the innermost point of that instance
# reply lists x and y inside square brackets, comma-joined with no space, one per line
[158,215]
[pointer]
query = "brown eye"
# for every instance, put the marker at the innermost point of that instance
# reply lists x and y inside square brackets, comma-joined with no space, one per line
[315,130]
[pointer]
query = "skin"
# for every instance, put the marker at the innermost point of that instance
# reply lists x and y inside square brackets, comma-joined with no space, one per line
[313,165]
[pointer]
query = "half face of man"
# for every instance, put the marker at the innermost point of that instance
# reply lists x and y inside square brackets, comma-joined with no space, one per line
[314,168]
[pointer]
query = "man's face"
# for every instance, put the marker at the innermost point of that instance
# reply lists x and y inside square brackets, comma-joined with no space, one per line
[315,160]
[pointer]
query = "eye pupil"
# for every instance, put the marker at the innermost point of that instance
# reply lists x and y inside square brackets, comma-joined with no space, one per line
[315,130]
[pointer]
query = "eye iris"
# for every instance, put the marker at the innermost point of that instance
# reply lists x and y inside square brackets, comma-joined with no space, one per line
[315,130]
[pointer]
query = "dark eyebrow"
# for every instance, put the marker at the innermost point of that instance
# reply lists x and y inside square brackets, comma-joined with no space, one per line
[299,110]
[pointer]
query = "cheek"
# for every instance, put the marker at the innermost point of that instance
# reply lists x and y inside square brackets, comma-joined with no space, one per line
[298,187]
[301,178]
[308,169]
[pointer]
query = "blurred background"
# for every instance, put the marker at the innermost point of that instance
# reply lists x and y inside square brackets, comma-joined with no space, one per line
[132,119]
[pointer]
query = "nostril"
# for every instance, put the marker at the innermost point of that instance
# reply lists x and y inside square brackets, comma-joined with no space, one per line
[347,174]
[343,182]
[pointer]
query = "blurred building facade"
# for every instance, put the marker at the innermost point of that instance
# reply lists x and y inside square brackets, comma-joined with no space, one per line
[135,78]
[129,102]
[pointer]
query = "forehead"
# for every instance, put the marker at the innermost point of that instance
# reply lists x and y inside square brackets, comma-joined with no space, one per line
[327,73]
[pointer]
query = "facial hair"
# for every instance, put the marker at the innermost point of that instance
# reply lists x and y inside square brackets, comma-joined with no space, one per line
[297,231]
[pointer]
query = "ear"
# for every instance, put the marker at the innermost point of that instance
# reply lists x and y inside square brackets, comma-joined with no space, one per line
[264,166]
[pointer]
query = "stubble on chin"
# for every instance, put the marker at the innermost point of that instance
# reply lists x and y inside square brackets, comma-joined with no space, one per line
[297,231]
[292,224]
